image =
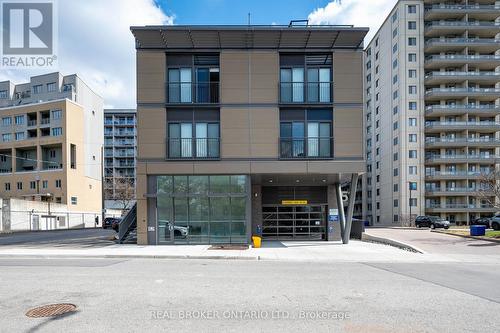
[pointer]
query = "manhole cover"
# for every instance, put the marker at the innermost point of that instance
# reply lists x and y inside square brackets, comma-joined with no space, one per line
[51,310]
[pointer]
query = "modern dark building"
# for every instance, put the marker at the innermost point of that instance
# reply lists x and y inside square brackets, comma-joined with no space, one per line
[247,130]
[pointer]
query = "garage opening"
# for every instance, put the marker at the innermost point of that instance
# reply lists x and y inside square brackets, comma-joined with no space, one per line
[294,212]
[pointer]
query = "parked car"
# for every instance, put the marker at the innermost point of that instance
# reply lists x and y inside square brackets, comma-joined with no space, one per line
[431,222]
[495,222]
[482,221]
[108,222]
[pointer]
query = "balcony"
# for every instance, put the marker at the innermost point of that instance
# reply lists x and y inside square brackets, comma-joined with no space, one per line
[483,94]
[452,174]
[305,92]
[192,93]
[44,122]
[461,158]
[123,133]
[484,45]
[306,148]
[193,148]
[448,11]
[462,142]
[460,109]
[449,191]
[438,126]
[480,28]
[459,207]
[482,62]
[489,77]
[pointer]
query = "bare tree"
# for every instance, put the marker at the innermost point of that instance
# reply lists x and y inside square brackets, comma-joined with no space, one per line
[489,188]
[121,189]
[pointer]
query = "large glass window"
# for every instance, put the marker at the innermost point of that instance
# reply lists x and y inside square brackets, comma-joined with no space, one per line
[306,138]
[202,209]
[198,140]
[179,85]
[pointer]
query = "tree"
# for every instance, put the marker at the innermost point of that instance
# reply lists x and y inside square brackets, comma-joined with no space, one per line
[120,189]
[489,188]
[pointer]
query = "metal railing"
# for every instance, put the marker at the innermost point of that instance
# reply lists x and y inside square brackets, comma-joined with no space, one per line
[190,92]
[461,140]
[461,123]
[462,57]
[306,148]
[460,156]
[452,173]
[127,223]
[193,148]
[461,23]
[45,121]
[474,107]
[305,92]
[459,205]
[461,7]
[463,40]
[463,90]
[457,73]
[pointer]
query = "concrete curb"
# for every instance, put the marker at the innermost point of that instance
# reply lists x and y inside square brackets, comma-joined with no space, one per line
[122,256]
[469,237]
[391,242]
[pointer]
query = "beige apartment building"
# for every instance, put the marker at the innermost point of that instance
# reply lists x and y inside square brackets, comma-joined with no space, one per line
[50,142]
[432,111]
[247,130]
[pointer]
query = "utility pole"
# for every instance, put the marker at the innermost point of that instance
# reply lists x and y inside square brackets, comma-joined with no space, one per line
[102,185]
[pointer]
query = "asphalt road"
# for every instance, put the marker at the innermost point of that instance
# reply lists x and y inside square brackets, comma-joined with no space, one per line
[79,238]
[249,296]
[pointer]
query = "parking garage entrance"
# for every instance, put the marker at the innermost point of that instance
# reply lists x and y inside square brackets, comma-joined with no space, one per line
[294,213]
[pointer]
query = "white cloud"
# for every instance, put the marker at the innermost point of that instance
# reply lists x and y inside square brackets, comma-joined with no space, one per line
[360,13]
[96,43]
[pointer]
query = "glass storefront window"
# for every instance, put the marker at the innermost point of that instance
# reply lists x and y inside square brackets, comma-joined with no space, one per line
[238,184]
[198,184]
[202,209]
[219,184]
[164,184]
[180,184]
[220,209]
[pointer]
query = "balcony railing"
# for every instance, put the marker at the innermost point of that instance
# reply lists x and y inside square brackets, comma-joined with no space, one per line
[306,148]
[485,74]
[462,140]
[189,92]
[461,57]
[32,122]
[459,205]
[431,124]
[305,92]
[472,107]
[453,173]
[461,24]
[461,156]
[193,148]
[471,41]
[45,121]
[462,7]
[463,90]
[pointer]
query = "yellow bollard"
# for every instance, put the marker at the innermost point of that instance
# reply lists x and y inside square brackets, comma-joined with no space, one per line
[256,241]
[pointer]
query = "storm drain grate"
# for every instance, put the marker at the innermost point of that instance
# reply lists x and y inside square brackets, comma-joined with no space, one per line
[51,310]
[228,247]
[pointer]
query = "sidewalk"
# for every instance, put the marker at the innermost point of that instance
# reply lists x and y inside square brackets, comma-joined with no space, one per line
[355,251]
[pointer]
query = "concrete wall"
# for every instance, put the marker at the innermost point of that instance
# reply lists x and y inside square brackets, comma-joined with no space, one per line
[25,215]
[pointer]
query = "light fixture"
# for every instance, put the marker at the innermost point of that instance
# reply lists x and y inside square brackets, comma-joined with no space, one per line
[270,180]
[324,180]
[297,181]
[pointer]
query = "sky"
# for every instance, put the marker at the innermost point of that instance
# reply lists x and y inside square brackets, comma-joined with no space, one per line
[95,41]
